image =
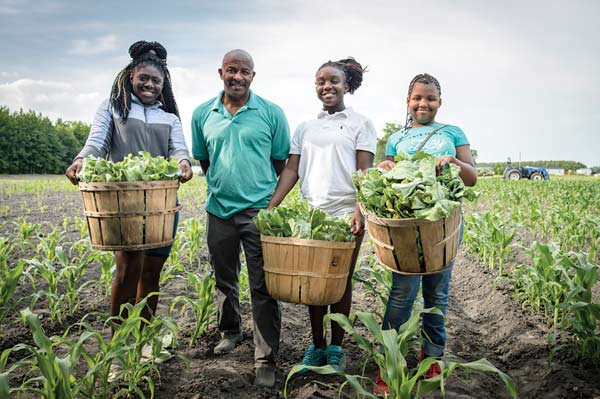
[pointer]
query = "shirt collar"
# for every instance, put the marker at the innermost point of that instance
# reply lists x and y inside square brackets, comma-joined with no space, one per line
[252,103]
[156,103]
[343,114]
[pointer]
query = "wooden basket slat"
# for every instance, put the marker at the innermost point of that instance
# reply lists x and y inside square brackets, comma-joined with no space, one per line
[132,227]
[395,242]
[130,216]
[433,254]
[408,259]
[155,224]
[110,228]
[300,273]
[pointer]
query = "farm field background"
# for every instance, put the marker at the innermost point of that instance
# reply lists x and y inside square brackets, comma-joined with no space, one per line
[524,288]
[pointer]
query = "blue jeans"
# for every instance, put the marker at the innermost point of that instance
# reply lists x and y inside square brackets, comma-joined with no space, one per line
[435,290]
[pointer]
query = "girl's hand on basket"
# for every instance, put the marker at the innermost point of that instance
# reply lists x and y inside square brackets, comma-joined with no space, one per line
[186,170]
[387,164]
[357,223]
[72,170]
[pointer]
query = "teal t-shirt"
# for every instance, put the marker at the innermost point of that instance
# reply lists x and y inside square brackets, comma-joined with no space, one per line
[240,149]
[443,142]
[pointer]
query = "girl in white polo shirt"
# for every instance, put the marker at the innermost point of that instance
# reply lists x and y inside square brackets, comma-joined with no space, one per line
[324,154]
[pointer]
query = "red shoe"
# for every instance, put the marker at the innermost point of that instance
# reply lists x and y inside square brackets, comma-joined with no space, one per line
[380,388]
[434,369]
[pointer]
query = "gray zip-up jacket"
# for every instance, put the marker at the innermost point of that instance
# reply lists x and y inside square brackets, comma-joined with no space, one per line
[148,128]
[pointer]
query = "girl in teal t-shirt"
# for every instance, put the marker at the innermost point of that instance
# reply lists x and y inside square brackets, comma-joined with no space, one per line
[450,145]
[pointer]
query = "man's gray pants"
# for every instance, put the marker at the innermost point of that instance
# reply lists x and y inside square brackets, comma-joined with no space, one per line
[225,238]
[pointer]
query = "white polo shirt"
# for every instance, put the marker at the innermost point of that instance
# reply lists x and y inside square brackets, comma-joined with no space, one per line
[327,147]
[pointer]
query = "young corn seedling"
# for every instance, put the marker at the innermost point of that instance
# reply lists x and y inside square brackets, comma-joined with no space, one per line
[47,246]
[202,306]
[133,333]
[388,348]
[48,375]
[378,282]
[72,276]
[108,267]
[194,233]
[173,267]
[9,280]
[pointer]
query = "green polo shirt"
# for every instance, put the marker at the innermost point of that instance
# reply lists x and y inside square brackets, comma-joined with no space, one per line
[240,149]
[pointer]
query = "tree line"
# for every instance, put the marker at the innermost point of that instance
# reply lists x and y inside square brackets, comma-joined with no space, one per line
[31,143]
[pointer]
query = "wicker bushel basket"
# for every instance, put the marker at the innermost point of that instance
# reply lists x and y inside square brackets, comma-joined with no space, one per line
[311,272]
[396,242]
[130,216]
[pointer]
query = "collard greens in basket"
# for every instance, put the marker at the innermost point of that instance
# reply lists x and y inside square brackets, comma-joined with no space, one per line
[144,167]
[412,189]
[299,220]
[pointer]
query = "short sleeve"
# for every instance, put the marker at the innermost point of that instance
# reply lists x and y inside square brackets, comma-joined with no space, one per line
[296,146]
[390,146]
[199,149]
[458,136]
[366,139]
[280,147]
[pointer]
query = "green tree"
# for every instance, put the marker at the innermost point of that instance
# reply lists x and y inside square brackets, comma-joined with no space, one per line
[474,154]
[390,127]
[31,143]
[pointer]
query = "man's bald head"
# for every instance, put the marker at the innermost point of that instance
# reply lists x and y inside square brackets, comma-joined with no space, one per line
[238,55]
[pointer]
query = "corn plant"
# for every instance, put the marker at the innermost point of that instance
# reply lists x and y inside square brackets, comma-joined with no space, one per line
[173,267]
[541,285]
[108,267]
[378,282]
[582,316]
[133,333]
[9,280]
[26,231]
[46,247]
[489,236]
[51,276]
[388,348]
[71,276]
[48,375]
[194,239]
[202,306]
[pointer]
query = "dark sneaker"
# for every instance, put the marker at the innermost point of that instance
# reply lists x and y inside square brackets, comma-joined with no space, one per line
[380,388]
[336,357]
[265,376]
[434,370]
[228,343]
[313,357]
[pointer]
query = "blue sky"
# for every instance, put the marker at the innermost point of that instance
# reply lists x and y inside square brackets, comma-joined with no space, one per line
[520,77]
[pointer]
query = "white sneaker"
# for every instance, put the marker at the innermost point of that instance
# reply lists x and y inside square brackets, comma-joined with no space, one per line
[162,357]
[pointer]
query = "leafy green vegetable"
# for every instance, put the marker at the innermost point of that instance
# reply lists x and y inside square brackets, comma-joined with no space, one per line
[300,220]
[144,167]
[411,189]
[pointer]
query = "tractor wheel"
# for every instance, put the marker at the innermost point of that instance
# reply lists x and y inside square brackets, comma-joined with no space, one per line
[513,174]
[536,176]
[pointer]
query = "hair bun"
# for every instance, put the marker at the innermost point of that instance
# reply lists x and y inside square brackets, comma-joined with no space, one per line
[142,47]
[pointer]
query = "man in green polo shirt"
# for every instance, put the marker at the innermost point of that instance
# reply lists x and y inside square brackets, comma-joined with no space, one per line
[242,142]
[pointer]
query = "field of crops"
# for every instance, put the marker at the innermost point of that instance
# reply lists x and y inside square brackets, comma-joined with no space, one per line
[525,296]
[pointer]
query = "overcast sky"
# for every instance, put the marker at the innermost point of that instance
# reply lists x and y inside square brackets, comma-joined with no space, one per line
[521,78]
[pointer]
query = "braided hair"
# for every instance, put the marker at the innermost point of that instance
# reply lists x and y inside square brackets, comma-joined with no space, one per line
[424,78]
[142,53]
[352,70]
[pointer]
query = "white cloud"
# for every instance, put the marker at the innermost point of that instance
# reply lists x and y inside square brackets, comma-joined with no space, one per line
[54,99]
[96,46]
[15,7]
